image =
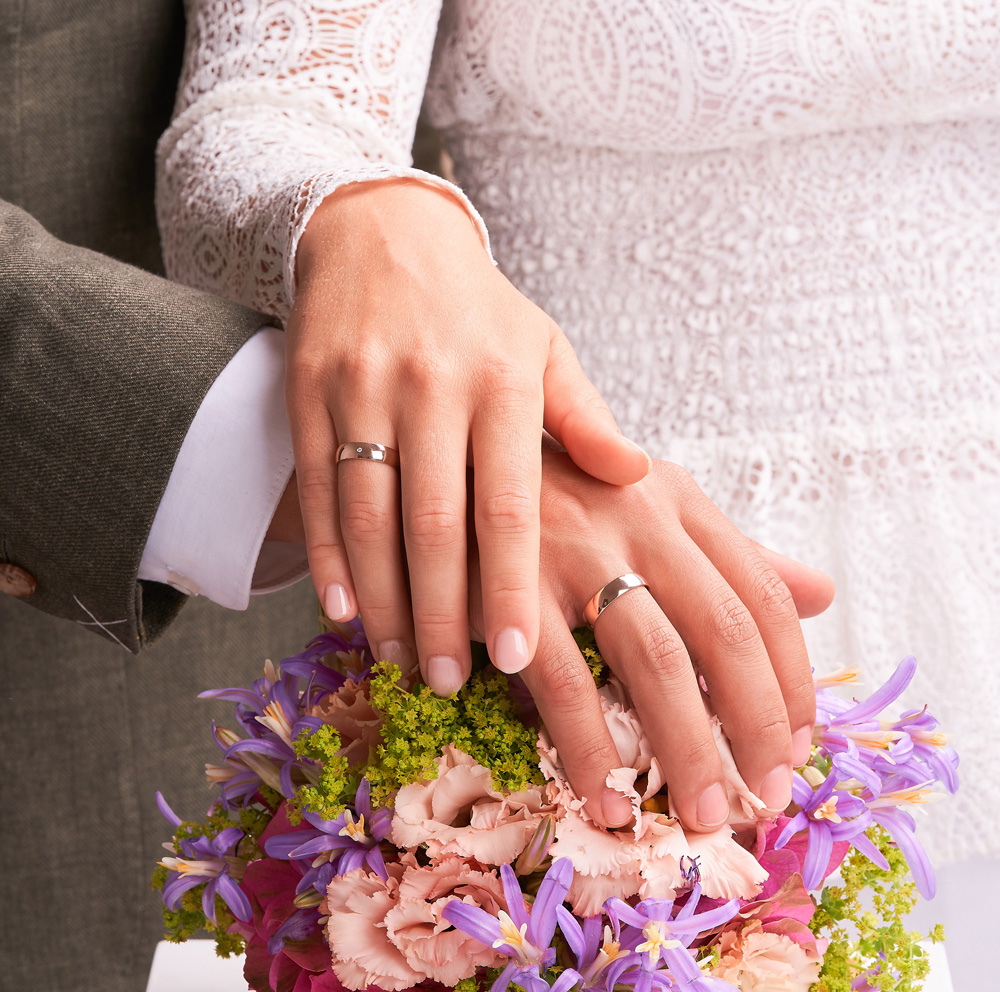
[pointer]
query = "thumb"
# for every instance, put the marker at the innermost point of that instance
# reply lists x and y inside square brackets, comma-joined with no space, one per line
[577,417]
[811,589]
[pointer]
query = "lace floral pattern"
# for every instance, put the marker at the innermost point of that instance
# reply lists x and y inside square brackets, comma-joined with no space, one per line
[769,228]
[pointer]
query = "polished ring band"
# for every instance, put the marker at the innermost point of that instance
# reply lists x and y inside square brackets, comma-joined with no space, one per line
[368,451]
[609,593]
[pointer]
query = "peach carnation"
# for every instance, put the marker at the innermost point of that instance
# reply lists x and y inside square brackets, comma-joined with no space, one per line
[349,711]
[754,960]
[429,943]
[362,953]
[460,813]
[389,933]
[646,858]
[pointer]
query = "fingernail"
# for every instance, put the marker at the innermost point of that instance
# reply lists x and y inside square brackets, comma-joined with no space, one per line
[616,808]
[776,789]
[642,451]
[398,653]
[713,807]
[801,746]
[510,651]
[444,674]
[336,603]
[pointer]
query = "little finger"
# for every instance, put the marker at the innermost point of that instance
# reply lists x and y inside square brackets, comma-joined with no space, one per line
[726,647]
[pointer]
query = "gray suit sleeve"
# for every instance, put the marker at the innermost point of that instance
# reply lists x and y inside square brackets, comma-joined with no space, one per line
[102,369]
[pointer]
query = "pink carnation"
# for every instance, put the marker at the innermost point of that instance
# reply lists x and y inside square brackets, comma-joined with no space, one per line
[645,858]
[429,943]
[460,813]
[390,933]
[349,711]
[754,960]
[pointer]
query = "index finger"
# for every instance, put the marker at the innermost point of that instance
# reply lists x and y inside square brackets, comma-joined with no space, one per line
[507,454]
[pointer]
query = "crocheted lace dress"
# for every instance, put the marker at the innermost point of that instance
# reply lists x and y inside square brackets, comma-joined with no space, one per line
[771,229]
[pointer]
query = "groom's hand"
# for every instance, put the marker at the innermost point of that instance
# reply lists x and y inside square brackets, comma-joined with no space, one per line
[719,606]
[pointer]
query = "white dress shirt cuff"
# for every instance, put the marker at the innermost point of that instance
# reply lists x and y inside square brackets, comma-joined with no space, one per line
[208,534]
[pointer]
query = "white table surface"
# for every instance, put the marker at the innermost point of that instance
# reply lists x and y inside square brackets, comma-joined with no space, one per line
[194,967]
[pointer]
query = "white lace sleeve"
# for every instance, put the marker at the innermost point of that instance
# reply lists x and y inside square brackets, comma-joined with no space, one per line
[281,102]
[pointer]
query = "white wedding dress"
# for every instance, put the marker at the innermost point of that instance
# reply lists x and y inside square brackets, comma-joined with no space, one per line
[771,229]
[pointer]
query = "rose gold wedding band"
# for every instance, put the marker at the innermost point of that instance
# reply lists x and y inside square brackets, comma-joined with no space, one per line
[607,595]
[368,451]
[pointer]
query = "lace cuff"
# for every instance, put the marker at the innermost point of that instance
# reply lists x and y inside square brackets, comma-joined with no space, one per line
[279,106]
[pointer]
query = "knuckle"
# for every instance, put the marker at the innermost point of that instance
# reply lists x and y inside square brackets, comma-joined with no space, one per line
[732,623]
[437,626]
[568,679]
[663,650]
[429,373]
[773,598]
[800,695]
[434,522]
[510,386]
[699,754]
[593,751]
[315,486]
[362,362]
[508,510]
[770,731]
[307,372]
[365,518]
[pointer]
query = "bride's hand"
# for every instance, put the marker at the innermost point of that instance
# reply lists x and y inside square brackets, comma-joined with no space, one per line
[404,333]
[718,605]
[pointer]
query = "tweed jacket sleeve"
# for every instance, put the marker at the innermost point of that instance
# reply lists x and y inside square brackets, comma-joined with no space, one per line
[102,369]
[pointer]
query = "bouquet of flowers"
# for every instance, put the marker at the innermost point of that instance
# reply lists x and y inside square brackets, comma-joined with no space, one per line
[369,834]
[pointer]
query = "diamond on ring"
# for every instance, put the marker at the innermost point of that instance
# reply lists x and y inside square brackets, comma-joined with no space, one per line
[605,596]
[368,451]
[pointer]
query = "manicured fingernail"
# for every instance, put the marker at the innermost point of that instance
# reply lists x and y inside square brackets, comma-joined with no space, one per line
[398,653]
[336,603]
[801,745]
[776,789]
[444,674]
[510,651]
[616,808]
[713,807]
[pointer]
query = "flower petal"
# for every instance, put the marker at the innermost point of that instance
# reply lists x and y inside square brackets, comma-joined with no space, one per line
[235,898]
[513,897]
[551,894]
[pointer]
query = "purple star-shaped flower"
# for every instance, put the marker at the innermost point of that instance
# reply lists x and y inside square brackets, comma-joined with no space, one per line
[524,935]
[205,861]
[335,847]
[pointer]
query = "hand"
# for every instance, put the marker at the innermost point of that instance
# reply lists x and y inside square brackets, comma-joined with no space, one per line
[404,333]
[718,605]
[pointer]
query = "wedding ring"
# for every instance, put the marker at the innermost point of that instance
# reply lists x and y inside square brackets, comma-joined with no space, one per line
[369,452]
[609,593]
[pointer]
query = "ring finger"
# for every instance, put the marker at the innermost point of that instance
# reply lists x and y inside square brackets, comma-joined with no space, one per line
[640,644]
[369,493]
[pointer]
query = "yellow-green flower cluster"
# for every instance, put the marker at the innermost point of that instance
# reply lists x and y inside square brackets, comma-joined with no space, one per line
[877,938]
